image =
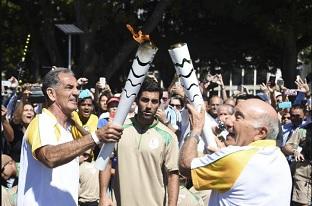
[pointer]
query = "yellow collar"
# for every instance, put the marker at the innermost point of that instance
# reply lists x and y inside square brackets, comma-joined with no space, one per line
[264,143]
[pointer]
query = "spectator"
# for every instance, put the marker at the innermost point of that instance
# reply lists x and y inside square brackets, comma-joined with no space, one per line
[224,111]
[49,168]
[102,104]
[9,179]
[133,110]
[296,118]
[176,102]
[89,185]
[171,115]
[147,157]
[254,128]
[300,146]
[103,113]
[102,94]
[112,105]
[286,118]
[84,116]
[22,116]
[230,101]
[7,132]
[213,104]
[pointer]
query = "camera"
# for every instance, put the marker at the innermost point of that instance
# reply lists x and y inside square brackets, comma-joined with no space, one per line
[221,125]
[223,131]
[36,95]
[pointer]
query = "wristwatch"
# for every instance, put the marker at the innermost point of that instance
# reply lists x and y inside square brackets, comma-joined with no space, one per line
[196,136]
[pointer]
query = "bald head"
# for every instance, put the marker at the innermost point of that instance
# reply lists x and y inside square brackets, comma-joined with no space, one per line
[258,107]
[255,120]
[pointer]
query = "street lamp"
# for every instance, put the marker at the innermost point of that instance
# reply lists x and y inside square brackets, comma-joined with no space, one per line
[69,29]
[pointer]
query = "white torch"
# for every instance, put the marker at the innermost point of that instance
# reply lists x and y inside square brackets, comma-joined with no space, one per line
[181,59]
[141,63]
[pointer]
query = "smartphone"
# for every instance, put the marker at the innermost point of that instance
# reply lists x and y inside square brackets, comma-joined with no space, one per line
[284,105]
[291,92]
[272,79]
[103,80]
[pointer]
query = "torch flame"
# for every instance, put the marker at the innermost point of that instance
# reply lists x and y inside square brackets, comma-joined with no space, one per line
[139,37]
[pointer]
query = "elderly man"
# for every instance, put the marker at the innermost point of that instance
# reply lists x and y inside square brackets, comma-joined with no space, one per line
[49,167]
[254,172]
[213,104]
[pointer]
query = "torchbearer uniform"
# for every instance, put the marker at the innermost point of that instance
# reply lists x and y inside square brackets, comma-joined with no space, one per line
[257,174]
[38,184]
[144,157]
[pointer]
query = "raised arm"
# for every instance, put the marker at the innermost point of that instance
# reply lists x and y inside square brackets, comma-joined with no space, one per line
[7,128]
[189,149]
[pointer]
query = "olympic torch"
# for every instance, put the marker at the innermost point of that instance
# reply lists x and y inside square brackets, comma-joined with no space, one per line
[141,63]
[181,59]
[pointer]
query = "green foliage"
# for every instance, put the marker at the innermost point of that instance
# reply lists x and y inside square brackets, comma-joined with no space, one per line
[219,33]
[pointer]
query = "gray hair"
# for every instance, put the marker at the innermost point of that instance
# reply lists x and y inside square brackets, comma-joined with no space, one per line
[51,79]
[271,123]
[229,108]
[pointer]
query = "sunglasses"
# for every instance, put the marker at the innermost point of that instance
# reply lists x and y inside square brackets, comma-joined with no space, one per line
[178,106]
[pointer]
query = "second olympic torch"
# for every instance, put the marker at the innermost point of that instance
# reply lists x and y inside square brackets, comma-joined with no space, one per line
[181,59]
[141,63]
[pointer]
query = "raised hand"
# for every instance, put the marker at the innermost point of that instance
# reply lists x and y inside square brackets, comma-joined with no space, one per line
[302,85]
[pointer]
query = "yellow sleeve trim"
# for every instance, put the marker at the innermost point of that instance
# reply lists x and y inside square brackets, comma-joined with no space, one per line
[32,135]
[223,173]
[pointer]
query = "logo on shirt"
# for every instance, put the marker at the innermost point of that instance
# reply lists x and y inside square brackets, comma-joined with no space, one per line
[153,143]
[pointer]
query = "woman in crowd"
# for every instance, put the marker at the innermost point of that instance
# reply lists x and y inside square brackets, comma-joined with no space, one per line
[22,116]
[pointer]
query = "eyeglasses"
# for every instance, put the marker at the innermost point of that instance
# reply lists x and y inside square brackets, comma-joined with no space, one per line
[164,98]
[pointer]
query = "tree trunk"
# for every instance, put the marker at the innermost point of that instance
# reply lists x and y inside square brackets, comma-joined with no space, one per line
[88,58]
[290,60]
[290,49]
[48,34]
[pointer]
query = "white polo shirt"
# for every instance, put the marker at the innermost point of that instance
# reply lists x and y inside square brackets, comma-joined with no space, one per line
[257,174]
[38,184]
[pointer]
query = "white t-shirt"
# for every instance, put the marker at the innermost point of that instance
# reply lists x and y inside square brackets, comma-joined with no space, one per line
[38,184]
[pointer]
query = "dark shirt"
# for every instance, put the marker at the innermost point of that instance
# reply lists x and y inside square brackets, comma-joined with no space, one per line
[15,146]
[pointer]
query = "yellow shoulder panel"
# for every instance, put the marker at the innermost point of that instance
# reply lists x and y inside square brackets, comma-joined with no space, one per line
[32,135]
[221,174]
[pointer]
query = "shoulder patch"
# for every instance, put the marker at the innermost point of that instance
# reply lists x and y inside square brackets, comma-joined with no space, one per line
[164,134]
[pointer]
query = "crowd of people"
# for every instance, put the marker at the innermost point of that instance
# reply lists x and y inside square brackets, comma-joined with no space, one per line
[50,143]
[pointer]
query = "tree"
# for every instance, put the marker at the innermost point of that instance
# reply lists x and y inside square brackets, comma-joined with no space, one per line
[227,33]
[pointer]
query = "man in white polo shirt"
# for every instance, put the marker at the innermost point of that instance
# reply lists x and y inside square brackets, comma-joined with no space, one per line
[49,167]
[255,172]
